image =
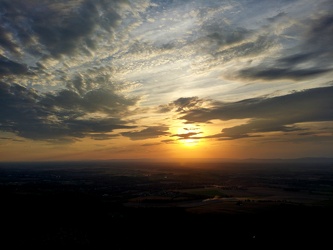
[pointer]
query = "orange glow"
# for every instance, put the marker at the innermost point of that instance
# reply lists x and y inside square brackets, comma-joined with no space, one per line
[189,142]
[188,135]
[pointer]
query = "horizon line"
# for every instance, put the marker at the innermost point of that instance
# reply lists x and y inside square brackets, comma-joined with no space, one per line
[327,159]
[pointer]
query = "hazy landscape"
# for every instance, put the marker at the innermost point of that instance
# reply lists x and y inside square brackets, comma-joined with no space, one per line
[124,204]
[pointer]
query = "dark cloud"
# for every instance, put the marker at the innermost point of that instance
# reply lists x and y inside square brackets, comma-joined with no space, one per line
[320,33]
[34,33]
[269,114]
[82,127]
[226,137]
[79,85]
[170,141]
[150,144]
[223,35]
[6,42]
[256,126]
[181,104]
[278,73]
[147,133]
[63,115]
[97,100]
[186,103]
[309,59]
[189,135]
[225,42]
[277,17]
[164,108]
[54,28]
[247,48]
[9,67]
[11,139]
[34,30]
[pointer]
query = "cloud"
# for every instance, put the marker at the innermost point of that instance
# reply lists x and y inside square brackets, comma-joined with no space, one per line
[147,133]
[284,73]
[102,136]
[225,136]
[168,141]
[310,58]
[56,79]
[8,67]
[68,68]
[150,144]
[182,104]
[47,43]
[268,114]
[58,28]
[186,103]
[97,100]
[189,135]
[63,115]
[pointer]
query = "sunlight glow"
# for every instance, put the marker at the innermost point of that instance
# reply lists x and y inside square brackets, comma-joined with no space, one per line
[189,142]
[188,136]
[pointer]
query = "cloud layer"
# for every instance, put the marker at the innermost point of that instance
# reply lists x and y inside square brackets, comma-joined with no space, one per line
[53,87]
[309,59]
[126,70]
[280,113]
[63,115]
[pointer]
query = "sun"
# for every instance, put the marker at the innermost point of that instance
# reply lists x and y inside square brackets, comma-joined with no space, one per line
[189,136]
[189,142]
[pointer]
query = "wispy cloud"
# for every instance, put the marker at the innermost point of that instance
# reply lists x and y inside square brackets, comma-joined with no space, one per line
[309,59]
[189,135]
[268,114]
[147,133]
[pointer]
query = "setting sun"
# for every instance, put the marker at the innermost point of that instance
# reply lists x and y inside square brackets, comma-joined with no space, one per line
[189,142]
[189,135]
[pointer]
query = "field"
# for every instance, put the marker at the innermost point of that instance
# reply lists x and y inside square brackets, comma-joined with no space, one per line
[126,204]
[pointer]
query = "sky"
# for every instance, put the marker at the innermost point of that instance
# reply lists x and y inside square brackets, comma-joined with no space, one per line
[110,79]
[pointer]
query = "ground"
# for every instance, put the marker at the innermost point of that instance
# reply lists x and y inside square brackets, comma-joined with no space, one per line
[162,205]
